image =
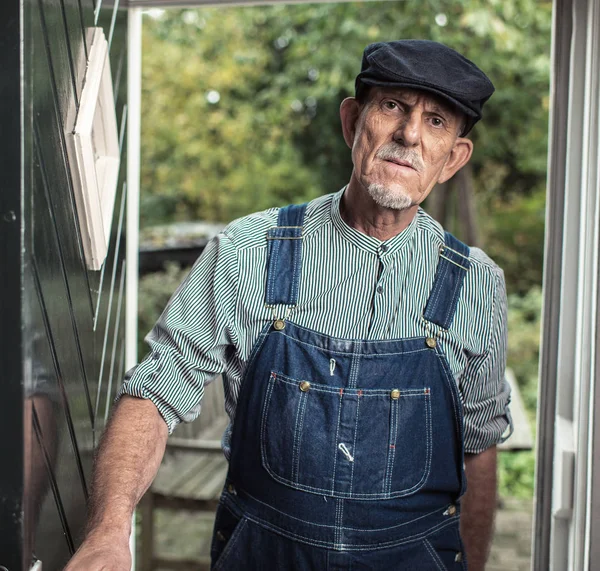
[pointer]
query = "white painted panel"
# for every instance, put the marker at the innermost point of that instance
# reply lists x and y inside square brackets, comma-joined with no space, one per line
[94,152]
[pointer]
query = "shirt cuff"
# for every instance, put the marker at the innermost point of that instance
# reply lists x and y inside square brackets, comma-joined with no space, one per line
[138,383]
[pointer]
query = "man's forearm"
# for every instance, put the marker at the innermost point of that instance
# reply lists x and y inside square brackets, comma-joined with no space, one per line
[479,507]
[128,458]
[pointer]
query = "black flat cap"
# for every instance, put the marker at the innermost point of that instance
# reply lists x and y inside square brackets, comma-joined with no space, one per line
[428,66]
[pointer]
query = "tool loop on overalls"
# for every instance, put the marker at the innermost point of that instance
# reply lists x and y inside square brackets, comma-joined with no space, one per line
[430,335]
[346,452]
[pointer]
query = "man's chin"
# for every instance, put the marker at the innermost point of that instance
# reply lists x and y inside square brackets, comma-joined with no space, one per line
[394,199]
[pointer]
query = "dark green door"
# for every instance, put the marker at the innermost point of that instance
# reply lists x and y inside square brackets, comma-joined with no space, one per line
[61,324]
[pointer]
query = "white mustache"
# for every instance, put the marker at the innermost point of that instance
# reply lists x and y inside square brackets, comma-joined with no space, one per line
[395,153]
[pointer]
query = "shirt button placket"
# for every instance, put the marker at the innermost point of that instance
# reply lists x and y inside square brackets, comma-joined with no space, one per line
[381,311]
[382,250]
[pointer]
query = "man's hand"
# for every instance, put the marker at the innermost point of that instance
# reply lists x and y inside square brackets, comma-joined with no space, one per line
[100,552]
[128,458]
[479,507]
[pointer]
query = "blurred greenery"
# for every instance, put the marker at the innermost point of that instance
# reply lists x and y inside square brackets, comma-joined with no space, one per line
[516,469]
[524,320]
[513,236]
[240,113]
[516,473]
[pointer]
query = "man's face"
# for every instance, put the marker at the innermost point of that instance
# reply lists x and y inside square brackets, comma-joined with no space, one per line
[403,141]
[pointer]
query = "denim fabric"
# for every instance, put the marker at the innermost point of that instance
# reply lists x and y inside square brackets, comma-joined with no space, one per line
[345,454]
[285,256]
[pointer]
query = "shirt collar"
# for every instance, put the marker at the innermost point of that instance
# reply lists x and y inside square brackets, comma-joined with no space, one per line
[386,248]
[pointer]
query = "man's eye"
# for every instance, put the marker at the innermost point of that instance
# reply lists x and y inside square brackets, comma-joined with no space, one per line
[437,122]
[390,105]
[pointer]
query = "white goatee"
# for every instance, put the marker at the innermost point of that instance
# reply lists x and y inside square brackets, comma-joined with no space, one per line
[388,198]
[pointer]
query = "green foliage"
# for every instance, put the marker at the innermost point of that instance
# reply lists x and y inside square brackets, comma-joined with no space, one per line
[516,474]
[524,320]
[513,235]
[211,144]
[516,469]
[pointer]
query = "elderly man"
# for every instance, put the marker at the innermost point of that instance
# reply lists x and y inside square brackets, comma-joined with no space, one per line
[362,350]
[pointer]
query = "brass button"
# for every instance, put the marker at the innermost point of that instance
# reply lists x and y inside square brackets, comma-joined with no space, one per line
[279,325]
[451,510]
[304,386]
[231,489]
[459,557]
[430,342]
[395,394]
[220,536]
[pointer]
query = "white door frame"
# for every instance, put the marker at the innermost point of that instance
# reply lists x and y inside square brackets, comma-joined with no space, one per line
[134,106]
[565,535]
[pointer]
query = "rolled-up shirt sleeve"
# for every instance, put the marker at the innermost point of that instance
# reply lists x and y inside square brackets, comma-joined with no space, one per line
[189,342]
[485,390]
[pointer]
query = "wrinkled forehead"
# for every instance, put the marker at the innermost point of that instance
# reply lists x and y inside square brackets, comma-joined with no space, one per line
[430,101]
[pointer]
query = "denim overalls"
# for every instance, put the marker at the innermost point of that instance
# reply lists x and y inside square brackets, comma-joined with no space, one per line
[345,454]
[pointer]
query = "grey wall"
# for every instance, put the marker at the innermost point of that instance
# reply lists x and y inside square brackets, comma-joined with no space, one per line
[62,325]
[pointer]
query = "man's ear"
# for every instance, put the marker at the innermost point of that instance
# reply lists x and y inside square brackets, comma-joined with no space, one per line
[349,114]
[459,157]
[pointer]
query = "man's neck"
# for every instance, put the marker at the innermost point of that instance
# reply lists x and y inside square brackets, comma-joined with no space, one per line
[362,213]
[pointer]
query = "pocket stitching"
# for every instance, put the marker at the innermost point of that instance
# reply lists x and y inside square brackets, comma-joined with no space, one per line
[387,482]
[337,433]
[354,443]
[263,428]
[231,543]
[298,428]
[436,558]
[314,386]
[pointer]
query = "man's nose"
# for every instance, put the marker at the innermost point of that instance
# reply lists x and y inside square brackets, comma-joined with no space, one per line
[408,133]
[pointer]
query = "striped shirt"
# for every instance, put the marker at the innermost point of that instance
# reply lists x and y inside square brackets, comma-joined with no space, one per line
[352,286]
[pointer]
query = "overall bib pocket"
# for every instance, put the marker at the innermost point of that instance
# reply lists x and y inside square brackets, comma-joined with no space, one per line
[347,443]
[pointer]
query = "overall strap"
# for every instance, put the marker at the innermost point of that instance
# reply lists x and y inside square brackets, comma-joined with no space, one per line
[449,277]
[284,256]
